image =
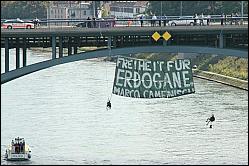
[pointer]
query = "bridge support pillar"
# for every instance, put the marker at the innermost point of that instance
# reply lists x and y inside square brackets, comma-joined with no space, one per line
[150,41]
[109,42]
[17,53]
[24,53]
[69,48]
[122,40]
[75,48]
[224,41]
[6,55]
[60,47]
[164,43]
[76,42]
[115,41]
[221,40]
[53,47]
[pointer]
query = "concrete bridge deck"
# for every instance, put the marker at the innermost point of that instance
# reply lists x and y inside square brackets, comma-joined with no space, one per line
[116,31]
[222,40]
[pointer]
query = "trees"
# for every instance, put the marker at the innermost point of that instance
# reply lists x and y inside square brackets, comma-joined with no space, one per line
[104,12]
[191,7]
[31,9]
[23,9]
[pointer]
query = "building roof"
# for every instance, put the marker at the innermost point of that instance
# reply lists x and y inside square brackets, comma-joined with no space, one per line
[65,3]
[129,4]
[142,3]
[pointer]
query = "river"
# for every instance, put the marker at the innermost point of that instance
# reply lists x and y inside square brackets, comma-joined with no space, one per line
[61,113]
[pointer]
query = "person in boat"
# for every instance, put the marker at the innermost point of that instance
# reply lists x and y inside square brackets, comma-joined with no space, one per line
[211,119]
[109,105]
[21,147]
[12,146]
[16,147]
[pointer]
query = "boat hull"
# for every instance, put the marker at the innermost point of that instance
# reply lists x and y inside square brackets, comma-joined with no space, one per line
[17,157]
[18,150]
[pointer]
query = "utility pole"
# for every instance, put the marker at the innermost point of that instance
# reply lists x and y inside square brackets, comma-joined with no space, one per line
[93,8]
[48,13]
[242,8]
[161,8]
[181,9]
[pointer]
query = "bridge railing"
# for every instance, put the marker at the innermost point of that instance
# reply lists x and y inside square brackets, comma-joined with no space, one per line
[127,22]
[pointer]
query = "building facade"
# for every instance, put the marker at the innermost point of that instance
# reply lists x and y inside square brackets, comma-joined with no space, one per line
[127,9]
[69,10]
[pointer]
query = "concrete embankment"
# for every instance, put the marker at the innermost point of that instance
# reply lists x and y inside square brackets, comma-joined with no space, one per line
[238,83]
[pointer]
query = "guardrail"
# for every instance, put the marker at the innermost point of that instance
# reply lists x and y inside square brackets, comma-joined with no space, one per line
[126,22]
[145,17]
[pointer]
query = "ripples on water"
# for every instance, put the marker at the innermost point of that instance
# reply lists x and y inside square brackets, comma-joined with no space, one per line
[61,113]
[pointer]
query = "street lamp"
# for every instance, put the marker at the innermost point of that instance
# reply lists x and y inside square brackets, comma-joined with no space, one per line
[181,9]
[93,9]
[161,8]
[242,10]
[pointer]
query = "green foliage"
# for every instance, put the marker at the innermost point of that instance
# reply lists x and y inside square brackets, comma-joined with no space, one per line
[156,56]
[23,9]
[104,12]
[231,66]
[225,65]
[172,8]
[32,9]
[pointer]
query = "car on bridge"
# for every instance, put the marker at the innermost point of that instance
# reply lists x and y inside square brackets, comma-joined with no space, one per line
[81,24]
[98,24]
[16,24]
[185,21]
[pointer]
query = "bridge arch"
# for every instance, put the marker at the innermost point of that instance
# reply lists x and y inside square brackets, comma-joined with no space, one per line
[11,75]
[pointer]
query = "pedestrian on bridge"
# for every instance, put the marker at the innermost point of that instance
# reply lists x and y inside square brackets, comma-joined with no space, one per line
[195,19]
[236,19]
[114,21]
[153,21]
[88,22]
[36,22]
[165,20]
[225,18]
[141,20]
[201,19]
[94,22]
[129,22]
[222,19]
[231,19]
[160,21]
[208,19]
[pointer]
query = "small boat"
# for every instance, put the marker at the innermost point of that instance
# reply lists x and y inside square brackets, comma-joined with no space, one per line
[18,150]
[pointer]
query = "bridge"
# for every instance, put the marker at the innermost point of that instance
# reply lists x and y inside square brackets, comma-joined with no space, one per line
[221,40]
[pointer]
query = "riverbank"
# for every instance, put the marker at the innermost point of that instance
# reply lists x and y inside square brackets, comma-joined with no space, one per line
[238,83]
[231,81]
[65,50]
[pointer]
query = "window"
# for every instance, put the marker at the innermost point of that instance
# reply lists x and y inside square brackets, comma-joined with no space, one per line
[128,10]
[19,21]
[137,10]
[84,12]
[117,9]
[72,13]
